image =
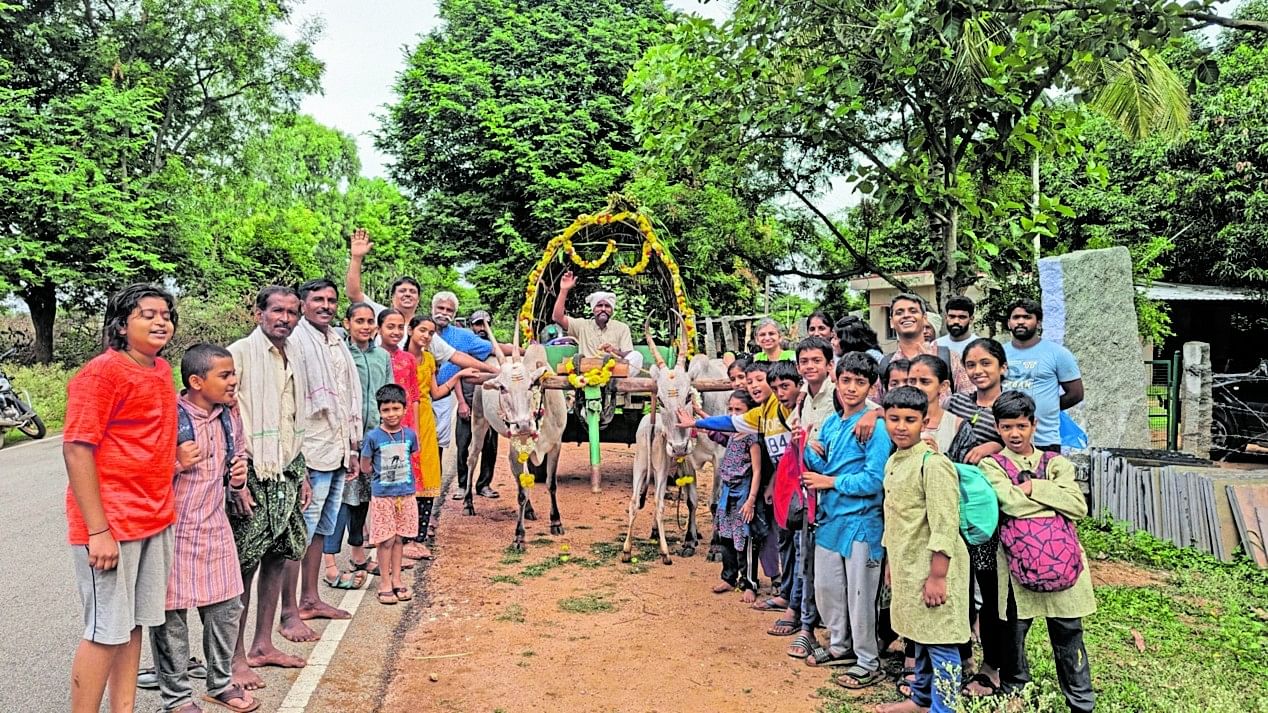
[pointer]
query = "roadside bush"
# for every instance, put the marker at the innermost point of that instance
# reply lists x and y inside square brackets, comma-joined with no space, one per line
[77,335]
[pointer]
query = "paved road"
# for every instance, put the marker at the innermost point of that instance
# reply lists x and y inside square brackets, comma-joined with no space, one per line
[40,620]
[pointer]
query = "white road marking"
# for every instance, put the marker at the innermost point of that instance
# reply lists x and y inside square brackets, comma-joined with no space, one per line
[27,444]
[305,685]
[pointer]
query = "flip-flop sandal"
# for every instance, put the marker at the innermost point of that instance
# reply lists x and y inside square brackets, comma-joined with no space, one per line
[233,693]
[387,598]
[403,594]
[982,680]
[147,679]
[777,629]
[190,707]
[822,657]
[805,643]
[769,604]
[904,682]
[856,678]
[341,581]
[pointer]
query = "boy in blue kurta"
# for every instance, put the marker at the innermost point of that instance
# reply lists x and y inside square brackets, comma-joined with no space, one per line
[849,475]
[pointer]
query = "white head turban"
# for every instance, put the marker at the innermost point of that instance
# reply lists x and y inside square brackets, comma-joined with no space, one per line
[597,297]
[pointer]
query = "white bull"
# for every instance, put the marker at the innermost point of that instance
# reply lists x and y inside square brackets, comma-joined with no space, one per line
[531,418]
[662,449]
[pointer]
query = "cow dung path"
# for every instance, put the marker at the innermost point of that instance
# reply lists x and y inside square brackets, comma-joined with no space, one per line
[567,627]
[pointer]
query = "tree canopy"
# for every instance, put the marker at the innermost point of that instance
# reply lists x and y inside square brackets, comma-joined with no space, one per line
[511,120]
[926,108]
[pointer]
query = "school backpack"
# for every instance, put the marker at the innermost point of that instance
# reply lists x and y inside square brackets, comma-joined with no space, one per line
[793,505]
[979,507]
[185,432]
[1043,553]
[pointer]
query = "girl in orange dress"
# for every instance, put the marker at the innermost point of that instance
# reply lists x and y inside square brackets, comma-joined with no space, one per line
[427,470]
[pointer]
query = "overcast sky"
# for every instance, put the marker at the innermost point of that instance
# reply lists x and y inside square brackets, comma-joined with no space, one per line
[364,46]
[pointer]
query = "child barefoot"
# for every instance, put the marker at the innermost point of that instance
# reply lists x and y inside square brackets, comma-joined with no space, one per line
[740,475]
[1034,484]
[385,453]
[928,562]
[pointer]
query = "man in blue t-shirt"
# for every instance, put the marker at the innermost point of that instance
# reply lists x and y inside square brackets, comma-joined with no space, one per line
[1045,370]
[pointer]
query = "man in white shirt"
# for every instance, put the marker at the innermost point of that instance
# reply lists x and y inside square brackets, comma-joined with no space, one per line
[600,335]
[958,320]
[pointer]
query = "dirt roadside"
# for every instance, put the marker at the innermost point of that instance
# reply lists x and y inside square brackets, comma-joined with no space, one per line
[567,627]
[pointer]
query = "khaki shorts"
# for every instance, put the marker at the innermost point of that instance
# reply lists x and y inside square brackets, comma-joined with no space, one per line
[132,594]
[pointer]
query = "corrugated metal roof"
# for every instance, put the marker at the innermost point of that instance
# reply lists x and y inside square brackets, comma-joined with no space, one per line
[1176,292]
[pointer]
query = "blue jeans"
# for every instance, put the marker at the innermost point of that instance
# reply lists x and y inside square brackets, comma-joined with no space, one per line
[937,684]
[322,513]
[352,521]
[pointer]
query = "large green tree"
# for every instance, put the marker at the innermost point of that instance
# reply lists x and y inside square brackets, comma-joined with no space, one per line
[511,120]
[283,212]
[111,111]
[924,106]
[1204,197]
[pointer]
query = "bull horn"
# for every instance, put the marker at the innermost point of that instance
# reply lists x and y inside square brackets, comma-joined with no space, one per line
[515,343]
[651,344]
[497,349]
[682,351]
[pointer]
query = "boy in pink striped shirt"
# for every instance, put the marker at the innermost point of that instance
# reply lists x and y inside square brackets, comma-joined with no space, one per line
[205,573]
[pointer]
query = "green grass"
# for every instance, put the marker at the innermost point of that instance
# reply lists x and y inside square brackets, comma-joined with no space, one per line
[510,555]
[513,613]
[46,386]
[643,552]
[505,579]
[1204,625]
[540,568]
[587,604]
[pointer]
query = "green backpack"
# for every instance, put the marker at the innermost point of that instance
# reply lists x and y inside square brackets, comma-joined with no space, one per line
[979,507]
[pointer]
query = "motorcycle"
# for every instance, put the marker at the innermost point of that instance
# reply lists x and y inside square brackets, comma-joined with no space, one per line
[14,413]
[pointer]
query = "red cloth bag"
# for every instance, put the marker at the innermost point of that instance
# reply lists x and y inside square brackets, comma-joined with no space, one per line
[793,505]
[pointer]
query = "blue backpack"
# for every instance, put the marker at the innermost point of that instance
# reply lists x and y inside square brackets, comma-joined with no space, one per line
[185,432]
[979,506]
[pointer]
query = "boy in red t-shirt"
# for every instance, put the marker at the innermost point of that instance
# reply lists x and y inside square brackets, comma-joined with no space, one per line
[120,450]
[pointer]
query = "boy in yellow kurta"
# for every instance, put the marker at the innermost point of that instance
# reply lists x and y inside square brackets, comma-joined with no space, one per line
[928,566]
[1049,491]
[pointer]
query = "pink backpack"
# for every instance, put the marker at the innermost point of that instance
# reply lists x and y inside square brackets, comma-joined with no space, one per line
[1044,554]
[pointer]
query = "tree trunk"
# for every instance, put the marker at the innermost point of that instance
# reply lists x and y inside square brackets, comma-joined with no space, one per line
[41,300]
[945,284]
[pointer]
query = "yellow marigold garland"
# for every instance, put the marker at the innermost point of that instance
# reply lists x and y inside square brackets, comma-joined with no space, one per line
[598,376]
[651,244]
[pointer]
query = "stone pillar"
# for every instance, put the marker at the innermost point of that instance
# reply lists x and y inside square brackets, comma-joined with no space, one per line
[1195,400]
[1089,306]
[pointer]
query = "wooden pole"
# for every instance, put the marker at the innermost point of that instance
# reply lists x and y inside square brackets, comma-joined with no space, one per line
[628,385]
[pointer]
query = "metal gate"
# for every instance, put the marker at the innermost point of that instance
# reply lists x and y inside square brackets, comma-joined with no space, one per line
[1163,395]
